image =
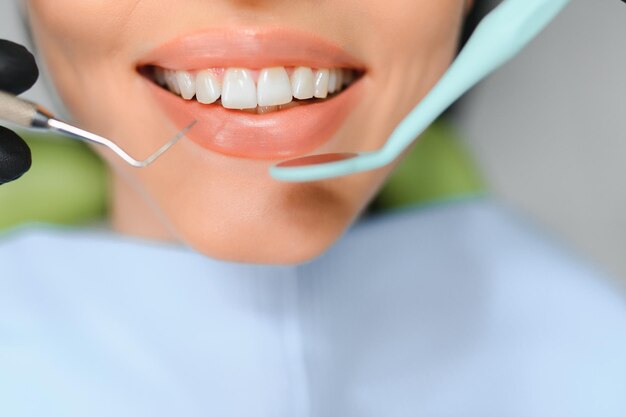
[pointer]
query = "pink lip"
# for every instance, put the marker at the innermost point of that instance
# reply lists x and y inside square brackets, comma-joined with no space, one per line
[249,48]
[286,133]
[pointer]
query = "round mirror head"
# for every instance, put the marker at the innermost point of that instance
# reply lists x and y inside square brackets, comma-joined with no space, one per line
[316,159]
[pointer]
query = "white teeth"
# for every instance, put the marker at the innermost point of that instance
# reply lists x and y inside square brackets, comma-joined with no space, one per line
[238,90]
[172,83]
[303,83]
[321,83]
[274,90]
[187,84]
[332,80]
[208,89]
[273,87]
[339,80]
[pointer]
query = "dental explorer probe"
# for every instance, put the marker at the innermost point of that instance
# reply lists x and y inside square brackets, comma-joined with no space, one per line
[32,116]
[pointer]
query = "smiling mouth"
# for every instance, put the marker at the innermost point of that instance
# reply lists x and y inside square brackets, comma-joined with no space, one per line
[257,93]
[254,91]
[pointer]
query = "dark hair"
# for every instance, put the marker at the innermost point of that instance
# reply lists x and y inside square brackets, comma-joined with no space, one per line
[479,10]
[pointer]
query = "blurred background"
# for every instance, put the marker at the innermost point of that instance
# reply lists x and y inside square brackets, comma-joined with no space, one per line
[546,134]
[548,131]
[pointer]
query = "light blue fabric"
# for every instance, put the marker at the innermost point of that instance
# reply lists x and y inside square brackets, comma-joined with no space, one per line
[461,309]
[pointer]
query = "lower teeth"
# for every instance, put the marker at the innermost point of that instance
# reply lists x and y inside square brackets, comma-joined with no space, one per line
[272,109]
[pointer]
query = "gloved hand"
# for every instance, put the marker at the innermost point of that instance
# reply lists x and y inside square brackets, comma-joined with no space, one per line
[18,72]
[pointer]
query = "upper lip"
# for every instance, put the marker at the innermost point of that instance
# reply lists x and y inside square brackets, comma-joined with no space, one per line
[249,48]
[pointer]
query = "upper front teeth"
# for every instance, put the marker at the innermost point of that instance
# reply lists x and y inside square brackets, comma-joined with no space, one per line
[302,83]
[208,89]
[241,88]
[238,90]
[186,84]
[273,87]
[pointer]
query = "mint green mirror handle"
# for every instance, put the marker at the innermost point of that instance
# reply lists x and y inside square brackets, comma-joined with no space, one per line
[499,37]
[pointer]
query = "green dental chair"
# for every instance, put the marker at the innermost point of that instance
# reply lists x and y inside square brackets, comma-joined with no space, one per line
[67,183]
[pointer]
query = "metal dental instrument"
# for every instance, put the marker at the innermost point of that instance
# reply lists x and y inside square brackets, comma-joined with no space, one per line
[30,115]
[497,39]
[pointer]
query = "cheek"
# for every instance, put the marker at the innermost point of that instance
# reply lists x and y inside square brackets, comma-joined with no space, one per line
[75,38]
[76,34]
[81,21]
[412,25]
[409,45]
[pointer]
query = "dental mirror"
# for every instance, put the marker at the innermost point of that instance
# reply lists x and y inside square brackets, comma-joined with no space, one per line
[498,38]
[324,158]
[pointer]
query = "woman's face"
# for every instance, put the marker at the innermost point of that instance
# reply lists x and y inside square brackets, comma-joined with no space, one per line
[212,191]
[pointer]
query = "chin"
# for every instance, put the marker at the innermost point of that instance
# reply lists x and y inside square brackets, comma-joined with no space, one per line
[288,247]
[288,234]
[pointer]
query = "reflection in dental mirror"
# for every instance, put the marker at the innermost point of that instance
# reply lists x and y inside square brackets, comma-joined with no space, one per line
[316,159]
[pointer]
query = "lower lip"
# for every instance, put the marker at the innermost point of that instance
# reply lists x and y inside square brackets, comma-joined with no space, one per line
[283,134]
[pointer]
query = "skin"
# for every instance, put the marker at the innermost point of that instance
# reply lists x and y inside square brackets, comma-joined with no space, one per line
[230,208]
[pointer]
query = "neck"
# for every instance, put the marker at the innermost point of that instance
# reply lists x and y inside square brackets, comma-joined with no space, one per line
[134,213]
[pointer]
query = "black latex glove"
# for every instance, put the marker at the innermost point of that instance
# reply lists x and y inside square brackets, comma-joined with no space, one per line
[18,72]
